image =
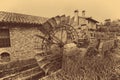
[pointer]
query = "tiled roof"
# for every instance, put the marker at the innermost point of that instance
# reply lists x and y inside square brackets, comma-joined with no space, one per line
[20,18]
[87,18]
[91,19]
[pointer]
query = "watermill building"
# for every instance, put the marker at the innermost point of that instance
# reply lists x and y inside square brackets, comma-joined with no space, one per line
[17,35]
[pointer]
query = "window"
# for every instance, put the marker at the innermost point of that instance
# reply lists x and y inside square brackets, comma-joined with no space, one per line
[4,38]
[5,57]
[91,34]
[88,21]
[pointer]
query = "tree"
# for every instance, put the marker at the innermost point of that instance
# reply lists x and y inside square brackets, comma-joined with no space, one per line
[113,26]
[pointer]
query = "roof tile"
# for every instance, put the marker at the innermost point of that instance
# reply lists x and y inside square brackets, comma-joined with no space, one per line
[21,18]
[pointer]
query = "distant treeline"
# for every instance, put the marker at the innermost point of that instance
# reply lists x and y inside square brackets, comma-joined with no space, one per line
[110,26]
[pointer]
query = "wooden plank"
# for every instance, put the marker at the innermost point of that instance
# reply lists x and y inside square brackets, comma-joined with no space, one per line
[53,23]
[58,19]
[27,73]
[15,64]
[42,29]
[20,74]
[68,20]
[49,59]
[16,70]
[21,66]
[53,68]
[35,76]
[63,19]
[47,27]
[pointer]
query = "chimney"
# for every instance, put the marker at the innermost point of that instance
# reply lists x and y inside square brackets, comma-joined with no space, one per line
[76,17]
[76,12]
[83,13]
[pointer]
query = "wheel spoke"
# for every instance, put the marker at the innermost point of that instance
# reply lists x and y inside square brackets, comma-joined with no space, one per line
[58,37]
[61,35]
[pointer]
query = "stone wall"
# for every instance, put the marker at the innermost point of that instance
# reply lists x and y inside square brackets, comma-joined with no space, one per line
[24,43]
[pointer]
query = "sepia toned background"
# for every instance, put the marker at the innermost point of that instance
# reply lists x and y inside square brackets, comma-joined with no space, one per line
[99,9]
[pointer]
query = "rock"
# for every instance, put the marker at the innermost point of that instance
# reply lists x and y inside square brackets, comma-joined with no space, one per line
[72,49]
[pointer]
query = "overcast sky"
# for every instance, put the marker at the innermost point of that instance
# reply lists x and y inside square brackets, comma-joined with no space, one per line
[98,9]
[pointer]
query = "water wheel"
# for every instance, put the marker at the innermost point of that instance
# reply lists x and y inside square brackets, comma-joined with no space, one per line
[57,32]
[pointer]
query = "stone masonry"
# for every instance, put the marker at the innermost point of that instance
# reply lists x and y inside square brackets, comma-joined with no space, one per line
[24,43]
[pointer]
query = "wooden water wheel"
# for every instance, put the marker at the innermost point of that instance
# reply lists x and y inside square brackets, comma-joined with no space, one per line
[57,32]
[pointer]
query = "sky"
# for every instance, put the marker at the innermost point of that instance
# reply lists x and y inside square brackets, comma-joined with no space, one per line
[97,9]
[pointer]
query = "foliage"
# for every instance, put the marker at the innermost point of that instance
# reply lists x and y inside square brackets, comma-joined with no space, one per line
[113,26]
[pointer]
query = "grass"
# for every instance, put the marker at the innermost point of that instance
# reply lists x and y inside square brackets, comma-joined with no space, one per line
[90,67]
